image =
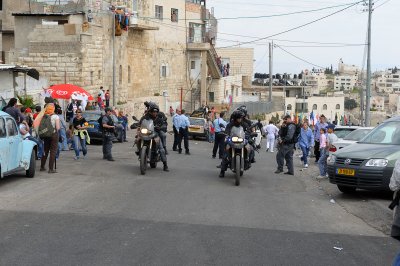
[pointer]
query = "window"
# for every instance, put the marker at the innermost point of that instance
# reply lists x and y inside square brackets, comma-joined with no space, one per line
[11,127]
[325,107]
[337,106]
[159,12]
[91,77]
[193,64]
[211,96]
[129,74]
[120,74]
[163,71]
[289,107]
[1,4]
[3,132]
[174,15]
[314,107]
[99,75]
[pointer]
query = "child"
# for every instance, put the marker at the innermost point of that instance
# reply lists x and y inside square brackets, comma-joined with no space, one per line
[322,163]
[332,138]
[70,136]
[211,138]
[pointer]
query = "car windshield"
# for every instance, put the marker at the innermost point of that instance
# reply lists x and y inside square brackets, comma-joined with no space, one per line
[91,116]
[196,122]
[343,132]
[386,133]
[358,134]
[237,132]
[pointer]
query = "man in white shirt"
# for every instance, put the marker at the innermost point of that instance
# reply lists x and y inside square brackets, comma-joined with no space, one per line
[24,130]
[271,131]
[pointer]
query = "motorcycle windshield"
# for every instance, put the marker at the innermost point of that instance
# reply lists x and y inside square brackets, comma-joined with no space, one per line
[237,132]
[147,124]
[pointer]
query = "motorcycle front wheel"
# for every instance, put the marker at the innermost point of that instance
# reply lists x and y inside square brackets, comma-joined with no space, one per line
[237,170]
[143,160]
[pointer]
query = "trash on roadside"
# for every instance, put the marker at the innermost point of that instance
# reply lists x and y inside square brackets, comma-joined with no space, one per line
[338,248]
[332,201]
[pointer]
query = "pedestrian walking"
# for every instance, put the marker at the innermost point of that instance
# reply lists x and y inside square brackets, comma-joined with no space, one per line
[320,124]
[219,125]
[306,141]
[171,111]
[175,127]
[49,123]
[108,134]
[211,135]
[184,124]
[63,146]
[287,136]
[272,132]
[123,120]
[107,97]
[81,135]
[322,163]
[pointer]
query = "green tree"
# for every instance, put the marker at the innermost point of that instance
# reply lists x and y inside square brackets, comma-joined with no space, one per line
[350,104]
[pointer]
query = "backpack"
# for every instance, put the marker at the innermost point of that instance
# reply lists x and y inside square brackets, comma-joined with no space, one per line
[46,129]
[297,133]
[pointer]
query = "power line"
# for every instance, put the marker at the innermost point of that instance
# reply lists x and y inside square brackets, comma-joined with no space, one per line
[382,3]
[298,27]
[301,59]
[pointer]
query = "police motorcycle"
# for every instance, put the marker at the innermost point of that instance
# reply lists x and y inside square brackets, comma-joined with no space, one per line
[148,150]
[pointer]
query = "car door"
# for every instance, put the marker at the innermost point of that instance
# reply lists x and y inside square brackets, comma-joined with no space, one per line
[4,146]
[14,140]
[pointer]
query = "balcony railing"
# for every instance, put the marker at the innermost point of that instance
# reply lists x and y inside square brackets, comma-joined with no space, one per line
[196,39]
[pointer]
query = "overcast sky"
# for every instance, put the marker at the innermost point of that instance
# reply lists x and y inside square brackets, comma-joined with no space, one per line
[348,27]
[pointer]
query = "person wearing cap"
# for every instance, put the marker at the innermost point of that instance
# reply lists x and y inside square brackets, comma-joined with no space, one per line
[108,134]
[317,128]
[286,146]
[12,110]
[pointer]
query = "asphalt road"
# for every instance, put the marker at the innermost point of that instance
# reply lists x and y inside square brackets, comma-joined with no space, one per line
[95,212]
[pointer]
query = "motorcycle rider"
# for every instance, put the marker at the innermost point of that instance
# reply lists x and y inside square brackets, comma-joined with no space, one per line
[236,121]
[248,124]
[161,127]
[152,114]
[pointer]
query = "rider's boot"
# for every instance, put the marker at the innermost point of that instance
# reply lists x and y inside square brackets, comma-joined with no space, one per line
[166,167]
[222,174]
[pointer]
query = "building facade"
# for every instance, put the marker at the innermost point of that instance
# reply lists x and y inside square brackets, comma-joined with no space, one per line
[388,81]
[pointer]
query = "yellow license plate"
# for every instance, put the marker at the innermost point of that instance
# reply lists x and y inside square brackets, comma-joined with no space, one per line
[90,126]
[348,172]
[194,129]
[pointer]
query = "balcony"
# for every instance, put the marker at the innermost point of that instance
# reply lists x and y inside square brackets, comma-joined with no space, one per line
[198,44]
[139,24]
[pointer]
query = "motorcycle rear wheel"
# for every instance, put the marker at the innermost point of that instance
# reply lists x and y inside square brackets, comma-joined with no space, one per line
[143,160]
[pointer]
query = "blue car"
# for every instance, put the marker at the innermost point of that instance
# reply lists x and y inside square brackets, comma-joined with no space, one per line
[16,154]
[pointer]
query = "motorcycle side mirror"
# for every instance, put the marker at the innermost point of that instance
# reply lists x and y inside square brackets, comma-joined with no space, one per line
[134,118]
[254,134]
[133,127]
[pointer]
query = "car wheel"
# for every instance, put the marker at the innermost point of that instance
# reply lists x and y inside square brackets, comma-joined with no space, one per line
[347,190]
[32,166]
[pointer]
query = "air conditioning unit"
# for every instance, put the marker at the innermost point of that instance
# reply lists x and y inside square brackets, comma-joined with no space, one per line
[133,19]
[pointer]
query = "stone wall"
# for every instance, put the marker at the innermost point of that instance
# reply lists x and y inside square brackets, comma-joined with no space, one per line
[240,60]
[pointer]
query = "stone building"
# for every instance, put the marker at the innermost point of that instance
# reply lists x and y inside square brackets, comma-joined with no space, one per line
[148,58]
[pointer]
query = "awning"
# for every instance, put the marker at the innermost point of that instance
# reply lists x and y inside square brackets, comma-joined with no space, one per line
[32,72]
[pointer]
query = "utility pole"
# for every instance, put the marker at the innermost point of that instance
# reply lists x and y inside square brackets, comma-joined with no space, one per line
[368,92]
[271,48]
[113,59]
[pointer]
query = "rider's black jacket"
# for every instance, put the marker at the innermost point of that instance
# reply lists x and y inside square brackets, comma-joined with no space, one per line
[161,122]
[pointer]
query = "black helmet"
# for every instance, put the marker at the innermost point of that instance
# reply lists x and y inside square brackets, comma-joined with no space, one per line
[153,107]
[237,114]
[242,109]
[146,103]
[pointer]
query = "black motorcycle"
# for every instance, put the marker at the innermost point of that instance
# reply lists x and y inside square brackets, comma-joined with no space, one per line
[148,149]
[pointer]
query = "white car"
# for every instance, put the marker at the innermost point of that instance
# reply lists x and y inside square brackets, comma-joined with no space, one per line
[351,138]
[343,131]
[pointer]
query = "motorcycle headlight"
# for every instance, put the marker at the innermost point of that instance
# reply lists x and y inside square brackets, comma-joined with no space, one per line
[145,131]
[377,163]
[332,159]
[237,139]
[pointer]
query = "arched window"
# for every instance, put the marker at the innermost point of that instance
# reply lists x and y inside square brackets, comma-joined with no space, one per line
[289,107]
[325,107]
[337,106]
[120,74]
[314,107]
[129,74]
